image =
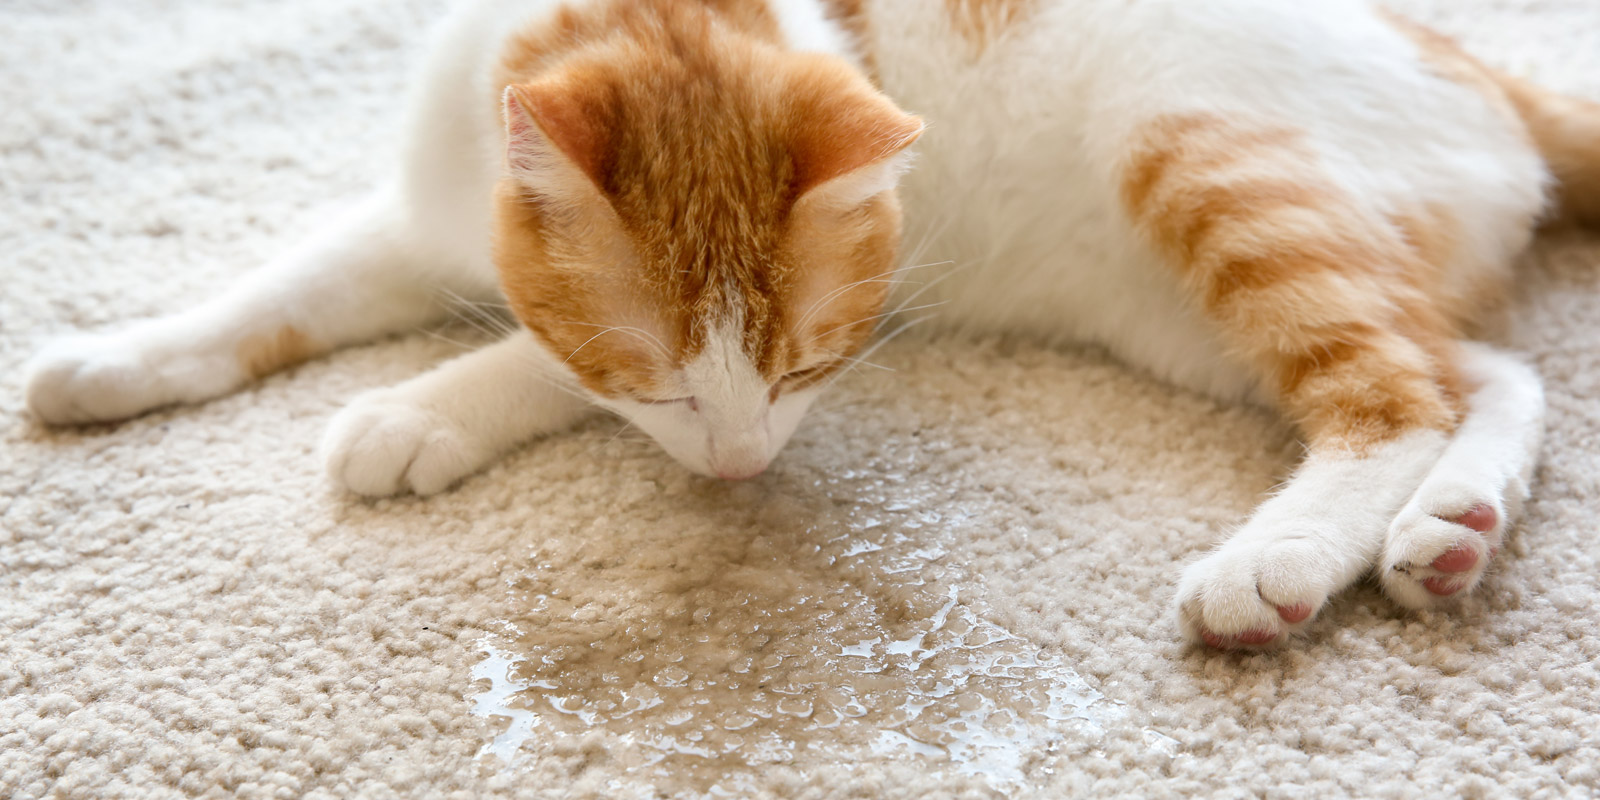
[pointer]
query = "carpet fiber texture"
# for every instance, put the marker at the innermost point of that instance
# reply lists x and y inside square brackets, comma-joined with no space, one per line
[955,581]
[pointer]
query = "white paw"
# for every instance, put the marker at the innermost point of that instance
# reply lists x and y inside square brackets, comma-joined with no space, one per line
[1440,544]
[92,379]
[1255,590]
[383,444]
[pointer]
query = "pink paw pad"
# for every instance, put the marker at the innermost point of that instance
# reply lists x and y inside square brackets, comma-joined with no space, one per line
[1252,637]
[1458,559]
[1441,585]
[1295,613]
[1257,636]
[1480,518]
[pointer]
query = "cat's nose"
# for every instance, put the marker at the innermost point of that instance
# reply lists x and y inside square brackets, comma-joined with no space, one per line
[738,463]
[740,457]
[740,473]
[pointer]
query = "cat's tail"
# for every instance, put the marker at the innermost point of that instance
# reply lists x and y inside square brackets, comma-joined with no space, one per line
[1567,132]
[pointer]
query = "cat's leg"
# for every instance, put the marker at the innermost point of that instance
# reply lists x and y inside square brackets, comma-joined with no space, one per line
[350,282]
[427,433]
[1444,538]
[1325,300]
[1320,533]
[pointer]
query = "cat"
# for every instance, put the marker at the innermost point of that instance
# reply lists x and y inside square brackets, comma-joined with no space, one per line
[694,210]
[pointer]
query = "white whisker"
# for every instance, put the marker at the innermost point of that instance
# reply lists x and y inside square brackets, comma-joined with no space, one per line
[883,315]
[874,348]
[878,278]
[626,425]
[638,333]
[434,334]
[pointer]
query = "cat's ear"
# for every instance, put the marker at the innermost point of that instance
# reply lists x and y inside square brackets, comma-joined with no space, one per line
[849,146]
[556,140]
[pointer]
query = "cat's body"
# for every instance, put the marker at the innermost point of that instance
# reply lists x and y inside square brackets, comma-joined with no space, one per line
[692,208]
[1019,173]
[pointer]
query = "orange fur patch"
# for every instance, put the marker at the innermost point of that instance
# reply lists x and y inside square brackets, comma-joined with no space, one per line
[1336,309]
[1433,234]
[1447,60]
[264,354]
[983,22]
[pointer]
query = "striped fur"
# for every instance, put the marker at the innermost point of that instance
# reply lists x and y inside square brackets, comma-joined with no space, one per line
[1334,308]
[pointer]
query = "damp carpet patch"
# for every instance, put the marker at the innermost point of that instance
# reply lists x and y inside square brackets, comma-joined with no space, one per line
[955,582]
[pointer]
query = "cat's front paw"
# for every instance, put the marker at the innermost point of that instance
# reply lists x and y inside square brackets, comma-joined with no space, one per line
[1438,549]
[383,444]
[92,379]
[1254,591]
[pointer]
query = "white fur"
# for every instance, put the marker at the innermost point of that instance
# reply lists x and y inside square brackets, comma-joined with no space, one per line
[731,429]
[805,26]
[1315,537]
[1015,185]
[1016,179]
[336,288]
[425,434]
[1489,462]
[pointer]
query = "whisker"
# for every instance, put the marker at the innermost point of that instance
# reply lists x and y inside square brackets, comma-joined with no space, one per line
[434,334]
[626,425]
[891,335]
[874,348]
[862,362]
[834,295]
[878,278]
[639,333]
[560,382]
[931,284]
[883,315]
[490,319]
[485,327]
[477,307]
[586,342]
[931,232]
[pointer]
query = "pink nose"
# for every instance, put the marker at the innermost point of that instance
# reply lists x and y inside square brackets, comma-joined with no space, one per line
[740,473]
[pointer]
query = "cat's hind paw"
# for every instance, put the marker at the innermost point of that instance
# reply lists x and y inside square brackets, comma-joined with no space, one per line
[383,444]
[1252,594]
[1439,551]
[82,379]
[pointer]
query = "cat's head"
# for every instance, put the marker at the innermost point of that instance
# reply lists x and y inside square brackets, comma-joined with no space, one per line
[703,237]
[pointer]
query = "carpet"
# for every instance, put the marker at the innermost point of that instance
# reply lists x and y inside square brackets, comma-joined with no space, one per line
[954,582]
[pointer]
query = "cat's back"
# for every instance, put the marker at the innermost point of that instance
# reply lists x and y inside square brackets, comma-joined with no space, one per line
[1007,197]
[1032,106]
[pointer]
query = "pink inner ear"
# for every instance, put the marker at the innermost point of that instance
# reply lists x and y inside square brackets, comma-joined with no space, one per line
[553,112]
[847,133]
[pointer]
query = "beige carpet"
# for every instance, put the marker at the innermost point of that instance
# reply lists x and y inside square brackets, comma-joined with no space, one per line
[955,582]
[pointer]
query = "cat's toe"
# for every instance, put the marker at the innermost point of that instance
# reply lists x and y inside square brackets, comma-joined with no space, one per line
[1432,557]
[90,379]
[1252,594]
[381,446]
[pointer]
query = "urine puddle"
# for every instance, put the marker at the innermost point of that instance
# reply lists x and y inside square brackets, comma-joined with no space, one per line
[847,639]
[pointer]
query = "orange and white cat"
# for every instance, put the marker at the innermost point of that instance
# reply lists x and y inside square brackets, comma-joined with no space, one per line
[694,209]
